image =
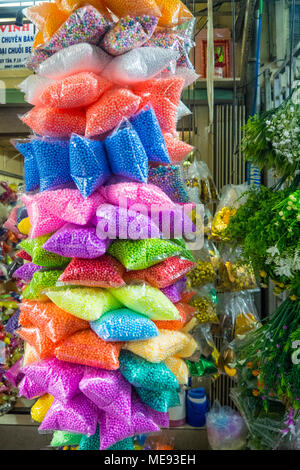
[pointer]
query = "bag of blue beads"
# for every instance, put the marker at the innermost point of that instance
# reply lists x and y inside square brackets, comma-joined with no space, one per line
[52,157]
[148,129]
[126,154]
[88,164]
[159,401]
[145,374]
[31,173]
[124,325]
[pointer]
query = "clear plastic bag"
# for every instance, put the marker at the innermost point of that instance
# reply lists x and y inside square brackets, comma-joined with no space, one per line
[164,96]
[86,348]
[230,200]
[158,349]
[238,315]
[118,222]
[41,407]
[129,194]
[63,438]
[52,122]
[205,271]
[179,368]
[132,161]
[82,57]
[178,150]
[205,301]
[60,379]
[109,111]
[54,322]
[40,281]
[226,429]
[78,416]
[42,222]
[142,373]
[84,302]
[84,25]
[173,12]
[169,179]
[75,91]
[31,174]
[40,256]
[47,17]
[43,347]
[146,300]
[147,126]
[88,164]
[233,275]
[140,7]
[104,272]
[200,184]
[33,87]
[129,33]
[52,158]
[73,207]
[124,325]
[174,291]
[26,271]
[186,313]
[161,275]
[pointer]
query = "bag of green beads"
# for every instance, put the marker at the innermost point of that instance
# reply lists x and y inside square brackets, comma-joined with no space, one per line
[64,438]
[40,281]
[141,254]
[159,401]
[41,257]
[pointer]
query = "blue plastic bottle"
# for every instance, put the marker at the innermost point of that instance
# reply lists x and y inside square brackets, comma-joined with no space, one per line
[197,405]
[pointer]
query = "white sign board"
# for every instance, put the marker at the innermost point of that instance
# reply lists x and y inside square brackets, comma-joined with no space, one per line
[15,45]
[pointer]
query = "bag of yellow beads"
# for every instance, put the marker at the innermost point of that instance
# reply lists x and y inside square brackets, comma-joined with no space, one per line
[232,274]
[231,198]
[206,265]
[205,300]
[199,182]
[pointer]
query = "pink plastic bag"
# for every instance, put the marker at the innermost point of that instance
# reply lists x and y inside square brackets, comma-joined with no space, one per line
[41,220]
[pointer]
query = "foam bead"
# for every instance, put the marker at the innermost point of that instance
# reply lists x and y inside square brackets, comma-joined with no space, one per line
[159,400]
[54,122]
[149,132]
[26,271]
[41,257]
[126,154]
[99,272]
[41,408]
[86,348]
[84,302]
[54,322]
[88,164]
[108,112]
[76,241]
[79,90]
[146,300]
[178,149]
[124,325]
[31,173]
[78,58]
[40,281]
[42,221]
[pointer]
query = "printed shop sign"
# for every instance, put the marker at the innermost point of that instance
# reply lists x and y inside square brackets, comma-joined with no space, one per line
[15,45]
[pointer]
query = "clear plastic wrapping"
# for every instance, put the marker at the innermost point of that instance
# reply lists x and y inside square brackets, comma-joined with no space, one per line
[54,322]
[232,274]
[146,300]
[169,179]
[84,302]
[104,271]
[124,325]
[88,164]
[74,59]
[42,222]
[40,281]
[199,182]
[132,161]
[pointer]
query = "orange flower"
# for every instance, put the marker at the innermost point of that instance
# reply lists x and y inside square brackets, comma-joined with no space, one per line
[255,392]
[255,372]
[250,365]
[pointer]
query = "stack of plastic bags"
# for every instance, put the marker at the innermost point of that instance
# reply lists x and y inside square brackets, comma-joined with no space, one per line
[104,313]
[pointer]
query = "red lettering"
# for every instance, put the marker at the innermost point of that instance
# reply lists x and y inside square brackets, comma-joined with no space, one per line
[3,27]
[25,27]
[16,28]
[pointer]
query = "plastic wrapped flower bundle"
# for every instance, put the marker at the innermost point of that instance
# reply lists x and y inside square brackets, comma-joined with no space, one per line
[103,314]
